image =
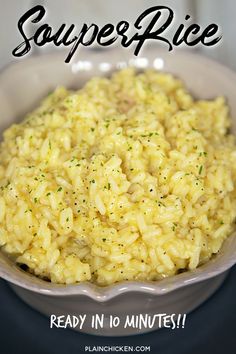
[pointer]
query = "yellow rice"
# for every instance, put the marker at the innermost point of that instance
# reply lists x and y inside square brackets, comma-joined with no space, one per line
[129,178]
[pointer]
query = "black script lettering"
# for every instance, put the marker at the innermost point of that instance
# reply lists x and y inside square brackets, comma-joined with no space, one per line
[176,40]
[121,28]
[65,40]
[155,34]
[79,40]
[24,47]
[182,34]
[192,29]
[191,34]
[44,31]
[106,31]
[208,32]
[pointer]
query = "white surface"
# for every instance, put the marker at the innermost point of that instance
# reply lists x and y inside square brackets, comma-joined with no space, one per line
[222,13]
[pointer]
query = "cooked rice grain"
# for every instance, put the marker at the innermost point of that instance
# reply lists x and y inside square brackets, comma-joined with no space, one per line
[127,178]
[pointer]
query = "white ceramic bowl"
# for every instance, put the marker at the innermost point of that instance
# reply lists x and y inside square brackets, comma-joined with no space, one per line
[22,85]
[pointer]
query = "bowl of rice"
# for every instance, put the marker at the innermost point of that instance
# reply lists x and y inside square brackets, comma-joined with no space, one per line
[117,182]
